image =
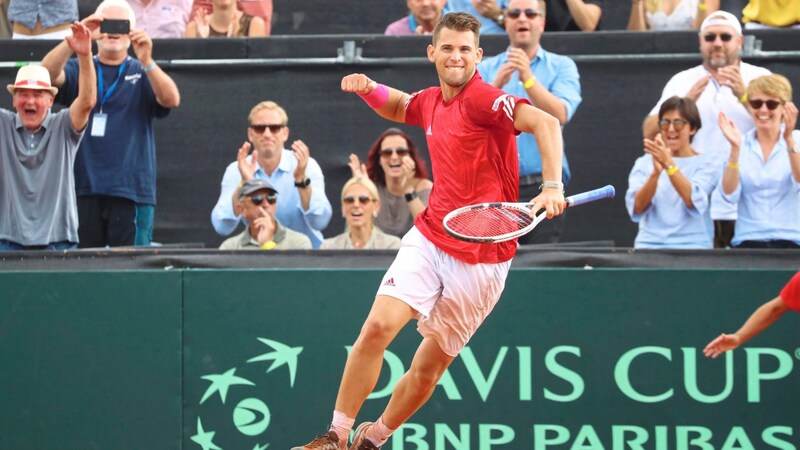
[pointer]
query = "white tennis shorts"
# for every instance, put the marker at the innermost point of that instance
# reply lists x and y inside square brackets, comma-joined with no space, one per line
[452,298]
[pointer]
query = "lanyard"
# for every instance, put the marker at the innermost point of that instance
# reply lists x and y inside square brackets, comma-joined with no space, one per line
[100,88]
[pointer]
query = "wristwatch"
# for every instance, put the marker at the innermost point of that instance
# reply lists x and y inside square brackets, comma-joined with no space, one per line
[303,183]
[410,196]
[499,20]
[796,148]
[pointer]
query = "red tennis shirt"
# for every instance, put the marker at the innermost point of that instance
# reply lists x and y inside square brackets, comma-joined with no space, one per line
[791,293]
[473,149]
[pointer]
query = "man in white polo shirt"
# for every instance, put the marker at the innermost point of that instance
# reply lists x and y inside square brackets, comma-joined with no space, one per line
[37,151]
[717,85]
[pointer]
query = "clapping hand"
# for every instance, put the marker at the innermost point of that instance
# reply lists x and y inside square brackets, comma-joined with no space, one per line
[357,169]
[731,131]
[662,155]
[246,169]
[201,22]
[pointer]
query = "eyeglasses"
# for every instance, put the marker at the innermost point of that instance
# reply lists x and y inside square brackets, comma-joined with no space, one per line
[259,198]
[677,123]
[771,104]
[711,37]
[529,13]
[261,128]
[399,150]
[363,199]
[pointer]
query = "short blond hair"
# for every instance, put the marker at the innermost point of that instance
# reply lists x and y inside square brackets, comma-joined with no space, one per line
[774,85]
[364,181]
[270,105]
[118,4]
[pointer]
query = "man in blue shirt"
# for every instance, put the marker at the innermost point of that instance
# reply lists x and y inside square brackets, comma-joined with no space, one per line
[552,84]
[115,168]
[302,205]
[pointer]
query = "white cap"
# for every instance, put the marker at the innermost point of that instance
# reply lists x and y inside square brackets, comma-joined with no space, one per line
[722,18]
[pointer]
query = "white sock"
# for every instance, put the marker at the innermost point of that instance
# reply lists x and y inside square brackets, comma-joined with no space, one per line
[379,433]
[341,425]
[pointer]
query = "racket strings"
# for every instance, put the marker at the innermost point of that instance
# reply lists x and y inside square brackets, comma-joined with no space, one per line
[490,221]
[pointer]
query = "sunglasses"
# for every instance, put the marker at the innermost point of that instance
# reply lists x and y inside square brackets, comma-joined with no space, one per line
[771,104]
[259,198]
[529,13]
[260,128]
[400,151]
[711,37]
[363,199]
[677,123]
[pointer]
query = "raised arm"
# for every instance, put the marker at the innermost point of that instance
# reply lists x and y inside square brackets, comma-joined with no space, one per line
[387,102]
[56,59]
[165,89]
[81,43]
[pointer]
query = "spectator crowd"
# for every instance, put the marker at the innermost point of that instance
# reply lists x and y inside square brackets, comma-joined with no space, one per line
[720,149]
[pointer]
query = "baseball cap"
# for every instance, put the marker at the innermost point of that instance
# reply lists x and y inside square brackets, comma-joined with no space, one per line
[254,185]
[722,18]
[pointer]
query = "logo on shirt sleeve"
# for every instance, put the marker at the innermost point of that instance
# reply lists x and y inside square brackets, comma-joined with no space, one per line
[508,102]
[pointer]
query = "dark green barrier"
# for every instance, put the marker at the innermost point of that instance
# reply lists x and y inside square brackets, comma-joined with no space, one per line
[570,359]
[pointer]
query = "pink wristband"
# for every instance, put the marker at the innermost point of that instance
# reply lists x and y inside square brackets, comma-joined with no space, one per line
[378,97]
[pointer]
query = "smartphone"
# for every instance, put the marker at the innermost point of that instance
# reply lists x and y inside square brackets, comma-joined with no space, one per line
[115,26]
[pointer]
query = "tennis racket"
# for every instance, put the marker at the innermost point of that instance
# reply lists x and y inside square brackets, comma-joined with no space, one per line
[502,221]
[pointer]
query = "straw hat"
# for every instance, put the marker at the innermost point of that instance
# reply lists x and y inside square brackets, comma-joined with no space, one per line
[32,77]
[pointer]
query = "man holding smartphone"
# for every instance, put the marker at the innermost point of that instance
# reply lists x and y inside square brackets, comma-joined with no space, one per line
[115,169]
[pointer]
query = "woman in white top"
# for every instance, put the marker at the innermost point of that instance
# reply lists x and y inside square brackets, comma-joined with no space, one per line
[666,15]
[360,206]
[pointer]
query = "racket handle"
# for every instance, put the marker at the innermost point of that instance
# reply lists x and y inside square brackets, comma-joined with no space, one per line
[590,196]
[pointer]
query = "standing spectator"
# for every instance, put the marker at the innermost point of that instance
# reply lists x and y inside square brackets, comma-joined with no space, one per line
[115,169]
[668,15]
[423,16]
[256,202]
[574,15]
[489,12]
[42,19]
[669,188]
[761,319]
[394,165]
[302,205]
[225,20]
[760,14]
[552,84]
[257,8]
[718,84]
[5,27]
[360,206]
[758,175]
[162,19]
[37,150]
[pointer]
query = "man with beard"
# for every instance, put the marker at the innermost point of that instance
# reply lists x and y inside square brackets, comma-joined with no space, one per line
[423,16]
[448,286]
[717,85]
[115,169]
[302,205]
[37,150]
[550,81]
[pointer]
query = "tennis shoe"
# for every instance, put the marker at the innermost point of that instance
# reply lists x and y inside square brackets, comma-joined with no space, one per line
[360,442]
[328,441]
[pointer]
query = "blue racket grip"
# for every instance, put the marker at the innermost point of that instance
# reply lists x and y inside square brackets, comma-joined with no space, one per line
[590,196]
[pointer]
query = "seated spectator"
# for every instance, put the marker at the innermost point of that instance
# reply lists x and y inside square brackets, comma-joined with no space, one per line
[257,201]
[42,19]
[360,206]
[574,15]
[760,14]
[489,12]
[303,205]
[257,8]
[162,19]
[668,15]
[394,165]
[38,207]
[423,16]
[225,20]
[670,187]
[763,170]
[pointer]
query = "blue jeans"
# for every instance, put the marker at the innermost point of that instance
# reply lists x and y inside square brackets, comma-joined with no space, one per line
[13,246]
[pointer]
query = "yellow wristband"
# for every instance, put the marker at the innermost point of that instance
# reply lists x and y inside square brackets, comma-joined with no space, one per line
[529,84]
[734,166]
[268,245]
[672,170]
[702,6]
[743,98]
[241,183]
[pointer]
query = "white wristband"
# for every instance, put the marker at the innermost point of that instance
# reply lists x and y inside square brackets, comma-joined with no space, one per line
[149,68]
[552,185]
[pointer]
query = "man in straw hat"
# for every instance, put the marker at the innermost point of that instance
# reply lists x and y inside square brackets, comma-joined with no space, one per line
[37,150]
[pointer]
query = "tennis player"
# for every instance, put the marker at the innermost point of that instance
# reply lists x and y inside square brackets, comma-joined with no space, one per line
[449,286]
[760,320]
